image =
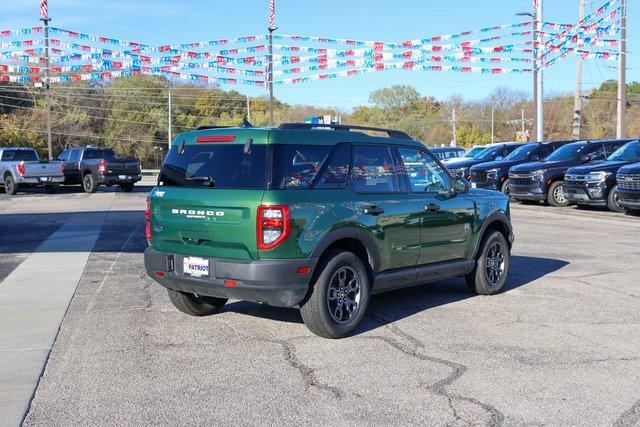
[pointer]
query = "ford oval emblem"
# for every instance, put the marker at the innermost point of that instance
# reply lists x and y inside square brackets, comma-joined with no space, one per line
[157,228]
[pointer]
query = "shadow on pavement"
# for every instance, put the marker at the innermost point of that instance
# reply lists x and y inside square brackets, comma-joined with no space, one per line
[396,305]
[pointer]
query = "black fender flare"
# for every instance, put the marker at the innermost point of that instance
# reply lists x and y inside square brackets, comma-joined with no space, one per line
[497,216]
[350,232]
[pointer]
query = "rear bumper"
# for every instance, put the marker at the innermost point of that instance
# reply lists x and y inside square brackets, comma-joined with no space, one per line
[274,282]
[116,179]
[40,180]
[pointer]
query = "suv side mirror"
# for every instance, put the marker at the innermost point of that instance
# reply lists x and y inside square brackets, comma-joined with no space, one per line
[584,158]
[461,186]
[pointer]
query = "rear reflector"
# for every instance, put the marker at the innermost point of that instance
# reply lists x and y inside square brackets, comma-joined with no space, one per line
[230,283]
[303,270]
[216,138]
[160,273]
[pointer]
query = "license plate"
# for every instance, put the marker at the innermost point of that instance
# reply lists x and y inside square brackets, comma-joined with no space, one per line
[196,267]
[473,185]
[122,176]
[43,179]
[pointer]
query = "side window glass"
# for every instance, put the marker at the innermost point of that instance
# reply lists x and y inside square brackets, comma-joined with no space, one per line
[597,153]
[64,156]
[423,172]
[74,156]
[610,148]
[297,166]
[373,170]
[336,172]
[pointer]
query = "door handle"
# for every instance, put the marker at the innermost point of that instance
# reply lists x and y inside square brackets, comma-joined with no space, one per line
[373,210]
[432,207]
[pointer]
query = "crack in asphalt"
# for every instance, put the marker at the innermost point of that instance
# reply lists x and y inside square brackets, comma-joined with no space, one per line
[289,355]
[630,417]
[439,387]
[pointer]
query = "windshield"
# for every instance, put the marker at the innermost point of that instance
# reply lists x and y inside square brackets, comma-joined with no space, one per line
[99,153]
[475,151]
[489,153]
[567,152]
[19,156]
[629,152]
[522,153]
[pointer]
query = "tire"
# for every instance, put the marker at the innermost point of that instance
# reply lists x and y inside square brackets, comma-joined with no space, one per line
[613,202]
[127,188]
[325,312]
[89,183]
[555,195]
[195,305]
[50,189]
[10,186]
[485,279]
[505,187]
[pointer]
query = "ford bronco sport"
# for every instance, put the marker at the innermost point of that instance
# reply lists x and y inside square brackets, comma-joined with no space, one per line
[318,217]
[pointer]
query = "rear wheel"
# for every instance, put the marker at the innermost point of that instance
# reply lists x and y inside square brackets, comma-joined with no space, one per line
[127,187]
[10,186]
[556,196]
[89,183]
[340,296]
[492,265]
[196,305]
[613,200]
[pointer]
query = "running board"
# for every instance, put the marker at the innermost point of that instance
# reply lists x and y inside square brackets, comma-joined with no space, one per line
[396,279]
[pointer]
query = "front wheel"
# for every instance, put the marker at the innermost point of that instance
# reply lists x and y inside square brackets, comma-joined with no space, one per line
[10,186]
[556,196]
[339,297]
[89,183]
[196,305]
[505,187]
[492,265]
[613,201]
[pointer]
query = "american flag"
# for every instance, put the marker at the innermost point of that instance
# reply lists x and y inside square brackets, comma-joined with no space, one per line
[44,12]
[272,13]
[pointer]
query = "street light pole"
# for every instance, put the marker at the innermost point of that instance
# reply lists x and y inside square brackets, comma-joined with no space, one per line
[621,130]
[539,85]
[47,80]
[534,49]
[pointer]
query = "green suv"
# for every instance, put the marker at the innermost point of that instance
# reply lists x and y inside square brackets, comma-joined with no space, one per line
[318,217]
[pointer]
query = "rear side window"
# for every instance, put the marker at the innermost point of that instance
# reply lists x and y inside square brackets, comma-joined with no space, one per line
[19,156]
[610,148]
[215,166]
[75,156]
[373,170]
[310,166]
[596,152]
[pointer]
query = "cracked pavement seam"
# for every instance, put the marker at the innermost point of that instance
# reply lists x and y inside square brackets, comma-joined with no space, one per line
[630,417]
[439,387]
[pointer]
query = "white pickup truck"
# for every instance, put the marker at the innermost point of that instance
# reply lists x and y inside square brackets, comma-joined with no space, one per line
[21,167]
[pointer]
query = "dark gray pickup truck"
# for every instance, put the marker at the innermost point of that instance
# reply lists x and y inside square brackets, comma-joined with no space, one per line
[94,166]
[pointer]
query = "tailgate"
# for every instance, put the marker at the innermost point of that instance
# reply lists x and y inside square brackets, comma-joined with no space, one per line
[206,222]
[115,167]
[43,169]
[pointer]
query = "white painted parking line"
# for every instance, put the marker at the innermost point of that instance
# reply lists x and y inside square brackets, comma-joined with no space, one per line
[33,302]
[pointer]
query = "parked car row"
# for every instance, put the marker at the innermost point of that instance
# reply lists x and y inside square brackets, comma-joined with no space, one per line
[560,173]
[89,166]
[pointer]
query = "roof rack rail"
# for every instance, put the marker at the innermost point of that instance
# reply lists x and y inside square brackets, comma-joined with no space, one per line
[391,132]
[212,127]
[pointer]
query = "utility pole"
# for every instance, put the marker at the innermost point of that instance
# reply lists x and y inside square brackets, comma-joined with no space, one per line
[534,49]
[170,133]
[539,86]
[522,120]
[248,110]
[454,143]
[492,122]
[621,130]
[577,99]
[44,17]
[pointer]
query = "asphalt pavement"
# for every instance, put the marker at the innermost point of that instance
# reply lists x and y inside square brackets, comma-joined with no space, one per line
[561,344]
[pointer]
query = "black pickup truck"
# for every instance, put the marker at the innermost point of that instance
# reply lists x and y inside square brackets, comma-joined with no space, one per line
[94,166]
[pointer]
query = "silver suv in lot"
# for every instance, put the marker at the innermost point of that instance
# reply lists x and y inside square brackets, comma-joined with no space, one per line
[21,167]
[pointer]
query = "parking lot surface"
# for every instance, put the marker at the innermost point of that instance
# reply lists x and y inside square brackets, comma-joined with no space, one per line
[561,345]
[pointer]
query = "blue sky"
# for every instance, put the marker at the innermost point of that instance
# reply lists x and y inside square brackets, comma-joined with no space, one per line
[164,21]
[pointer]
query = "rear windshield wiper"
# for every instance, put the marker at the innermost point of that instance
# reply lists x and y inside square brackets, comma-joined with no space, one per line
[207,181]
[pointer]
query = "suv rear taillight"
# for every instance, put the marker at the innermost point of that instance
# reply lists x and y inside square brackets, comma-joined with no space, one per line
[102,167]
[20,168]
[147,218]
[274,226]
